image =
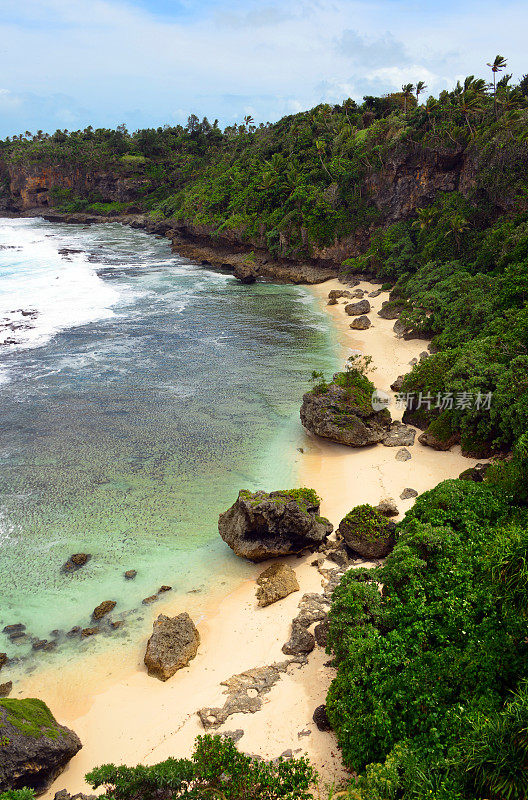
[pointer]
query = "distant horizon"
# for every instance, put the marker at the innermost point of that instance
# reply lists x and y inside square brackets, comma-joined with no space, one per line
[148,63]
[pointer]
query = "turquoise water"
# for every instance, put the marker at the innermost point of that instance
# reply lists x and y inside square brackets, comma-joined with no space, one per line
[140,392]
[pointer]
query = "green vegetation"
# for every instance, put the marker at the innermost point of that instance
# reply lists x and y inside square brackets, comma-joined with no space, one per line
[367,522]
[430,697]
[31,717]
[216,770]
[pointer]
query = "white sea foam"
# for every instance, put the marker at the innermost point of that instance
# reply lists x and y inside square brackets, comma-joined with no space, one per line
[43,293]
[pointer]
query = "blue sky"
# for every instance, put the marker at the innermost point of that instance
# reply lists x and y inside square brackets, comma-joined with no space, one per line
[71,63]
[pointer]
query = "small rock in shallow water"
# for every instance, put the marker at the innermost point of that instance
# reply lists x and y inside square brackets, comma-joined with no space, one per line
[130,574]
[103,608]
[75,631]
[403,455]
[75,562]
[3,659]
[16,628]
[148,600]
[89,632]
[164,589]
[117,623]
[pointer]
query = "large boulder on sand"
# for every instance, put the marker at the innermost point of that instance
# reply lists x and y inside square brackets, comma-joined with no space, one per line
[367,532]
[261,525]
[34,747]
[276,582]
[174,642]
[356,309]
[345,415]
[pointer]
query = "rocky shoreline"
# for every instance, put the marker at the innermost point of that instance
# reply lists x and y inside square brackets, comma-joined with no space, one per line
[201,247]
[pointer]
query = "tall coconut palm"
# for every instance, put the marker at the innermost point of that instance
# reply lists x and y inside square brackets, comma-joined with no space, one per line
[420,87]
[248,120]
[407,91]
[496,66]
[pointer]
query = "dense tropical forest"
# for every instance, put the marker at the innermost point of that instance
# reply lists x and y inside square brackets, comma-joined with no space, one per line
[430,699]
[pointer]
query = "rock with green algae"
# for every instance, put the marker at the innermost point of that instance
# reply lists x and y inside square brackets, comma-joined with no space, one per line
[34,748]
[261,525]
[366,531]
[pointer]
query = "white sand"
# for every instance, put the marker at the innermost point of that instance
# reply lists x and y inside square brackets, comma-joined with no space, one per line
[136,719]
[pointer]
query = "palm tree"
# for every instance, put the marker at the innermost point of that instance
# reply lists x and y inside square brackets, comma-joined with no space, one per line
[420,87]
[407,91]
[320,145]
[425,218]
[248,120]
[497,66]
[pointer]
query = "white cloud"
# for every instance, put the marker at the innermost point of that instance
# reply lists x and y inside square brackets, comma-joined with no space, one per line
[114,61]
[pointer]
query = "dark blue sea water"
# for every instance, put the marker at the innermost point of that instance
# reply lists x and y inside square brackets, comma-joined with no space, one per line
[139,392]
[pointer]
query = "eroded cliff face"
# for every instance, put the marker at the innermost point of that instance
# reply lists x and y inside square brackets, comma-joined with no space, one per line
[411,178]
[30,185]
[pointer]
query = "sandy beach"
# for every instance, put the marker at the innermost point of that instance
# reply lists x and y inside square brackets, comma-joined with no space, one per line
[137,719]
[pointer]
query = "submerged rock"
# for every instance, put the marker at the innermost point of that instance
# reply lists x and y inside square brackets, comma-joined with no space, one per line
[3,660]
[261,525]
[174,642]
[367,532]
[344,416]
[130,574]
[276,582]
[75,562]
[103,609]
[35,748]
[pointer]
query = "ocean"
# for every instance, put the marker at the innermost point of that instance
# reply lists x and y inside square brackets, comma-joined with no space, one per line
[139,392]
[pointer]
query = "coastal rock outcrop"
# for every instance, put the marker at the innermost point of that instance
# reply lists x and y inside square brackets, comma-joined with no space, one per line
[356,309]
[261,525]
[276,582]
[346,417]
[6,688]
[174,642]
[245,273]
[367,532]
[361,323]
[301,641]
[35,748]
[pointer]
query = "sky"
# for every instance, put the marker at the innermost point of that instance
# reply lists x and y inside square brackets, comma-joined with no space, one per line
[145,63]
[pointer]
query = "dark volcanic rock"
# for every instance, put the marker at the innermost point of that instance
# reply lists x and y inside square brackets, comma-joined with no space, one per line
[367,532]
[398,383]
[476,473]
[390,311]
[387,507]
[321,633]
[300,642]
[431,439]
[356,309]
[174,642]
[37,748]
[333,415]
[261,525]
[320,718]
[76,561]
[245,273]
[103,609]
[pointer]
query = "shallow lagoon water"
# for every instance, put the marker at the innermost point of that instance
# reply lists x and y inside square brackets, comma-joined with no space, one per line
[143,391]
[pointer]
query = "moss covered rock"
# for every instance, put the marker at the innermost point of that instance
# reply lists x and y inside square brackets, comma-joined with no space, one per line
[34,748]
[342,411]
[263,525]
[367,532]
